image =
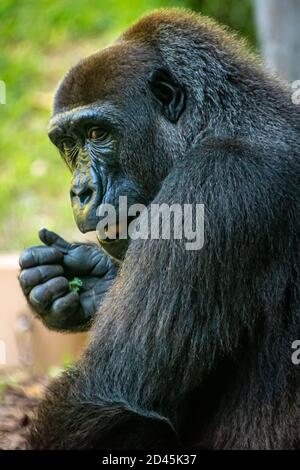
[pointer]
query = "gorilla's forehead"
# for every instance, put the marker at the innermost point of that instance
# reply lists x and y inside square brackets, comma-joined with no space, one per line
[107,75]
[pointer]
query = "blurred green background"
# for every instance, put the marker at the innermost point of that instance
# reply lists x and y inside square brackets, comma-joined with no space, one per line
[39,41]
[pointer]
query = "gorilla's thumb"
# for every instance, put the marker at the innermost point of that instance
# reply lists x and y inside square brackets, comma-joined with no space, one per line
[52,239]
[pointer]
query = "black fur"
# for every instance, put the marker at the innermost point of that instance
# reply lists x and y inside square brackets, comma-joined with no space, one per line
[200,337]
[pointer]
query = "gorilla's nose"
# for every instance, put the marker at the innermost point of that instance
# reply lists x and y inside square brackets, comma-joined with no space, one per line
[85,198]
[82,192]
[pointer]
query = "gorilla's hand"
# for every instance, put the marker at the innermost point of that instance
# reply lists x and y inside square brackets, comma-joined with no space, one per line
[45,275]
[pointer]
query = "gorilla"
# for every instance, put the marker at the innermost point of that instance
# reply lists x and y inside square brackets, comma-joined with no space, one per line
[188,348]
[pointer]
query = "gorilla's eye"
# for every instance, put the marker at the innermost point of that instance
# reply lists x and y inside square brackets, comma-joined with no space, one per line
[96,133]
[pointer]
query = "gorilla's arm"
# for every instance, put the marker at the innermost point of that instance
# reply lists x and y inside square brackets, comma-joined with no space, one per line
[172,313]
[45,275]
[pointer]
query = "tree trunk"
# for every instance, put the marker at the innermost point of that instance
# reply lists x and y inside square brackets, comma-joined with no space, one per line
[278,25]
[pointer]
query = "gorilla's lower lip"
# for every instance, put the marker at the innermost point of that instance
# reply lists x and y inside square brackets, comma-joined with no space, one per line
[111,239]
[86,225]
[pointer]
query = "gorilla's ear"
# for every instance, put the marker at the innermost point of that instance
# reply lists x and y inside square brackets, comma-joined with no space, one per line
[170,95]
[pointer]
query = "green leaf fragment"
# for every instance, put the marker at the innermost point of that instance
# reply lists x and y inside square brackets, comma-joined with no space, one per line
[75,285]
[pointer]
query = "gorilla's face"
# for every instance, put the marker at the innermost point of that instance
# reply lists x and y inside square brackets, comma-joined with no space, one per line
[89,141]
[112,137]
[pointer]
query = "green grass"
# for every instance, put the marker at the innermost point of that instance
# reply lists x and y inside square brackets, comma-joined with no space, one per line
[39,41]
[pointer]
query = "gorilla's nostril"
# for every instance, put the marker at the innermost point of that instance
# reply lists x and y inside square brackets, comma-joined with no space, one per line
[84,196]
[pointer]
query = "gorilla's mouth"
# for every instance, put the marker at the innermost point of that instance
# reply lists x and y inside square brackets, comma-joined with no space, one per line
[116,232]
[116,239]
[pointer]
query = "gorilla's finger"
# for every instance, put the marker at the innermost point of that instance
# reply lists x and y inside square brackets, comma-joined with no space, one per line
[65,305]
[54,240]
[42,296]
[31,277]
[39,255]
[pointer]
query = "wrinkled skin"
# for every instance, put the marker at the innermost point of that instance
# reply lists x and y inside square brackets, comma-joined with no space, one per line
[45,275]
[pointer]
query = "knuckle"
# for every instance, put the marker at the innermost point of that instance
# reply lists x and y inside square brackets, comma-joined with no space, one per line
[65,304]
[49,271]
[60,281]
[58,286]
[57,307]
[25,258]
[23,281]
[39,295]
